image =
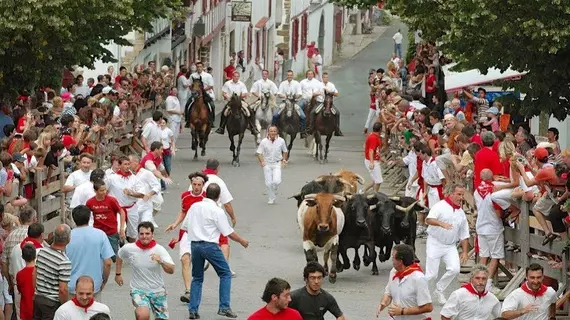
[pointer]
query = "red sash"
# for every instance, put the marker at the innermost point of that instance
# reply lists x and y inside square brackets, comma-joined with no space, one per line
[439,188]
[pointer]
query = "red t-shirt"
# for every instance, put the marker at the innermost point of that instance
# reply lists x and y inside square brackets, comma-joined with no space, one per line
[149,156]
[506,167]
[477,139]
[373,101]
[420,167]
[25,281]
[188,199]
[68,141]
[229,71]
[430,83]
[21,125]
[496,146]
[373,142]
[287,314]
[104,214]
[486,159]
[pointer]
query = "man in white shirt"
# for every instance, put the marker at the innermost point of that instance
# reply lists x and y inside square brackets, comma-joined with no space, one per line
[206,222]
[263,85]
[310,87]
[231,87]
[272,155]
[290,87]
[318,62]
[85,191]
[83,305]
[257,69]
[148,260]
[328,88]
[533,300]
[489,225]
[472,301]
[183,86]
[80,176]
[174,111]
[398,43]
[447,225]
[208,92]
[149,187]
[433,178]
[151,131]
[407,292]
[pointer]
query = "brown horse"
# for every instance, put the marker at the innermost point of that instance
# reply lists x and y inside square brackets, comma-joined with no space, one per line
[199,122]
[325,124]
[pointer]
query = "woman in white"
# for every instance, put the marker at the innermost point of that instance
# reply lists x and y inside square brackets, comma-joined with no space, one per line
[318,62]
[279,66]
[272,155]
[183,86]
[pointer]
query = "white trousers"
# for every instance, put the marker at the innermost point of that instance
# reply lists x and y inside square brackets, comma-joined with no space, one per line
[175,127]
[435,252]
[132,221]
[502,197]
[370,119]
[272,174]
[432,196]
[145,209]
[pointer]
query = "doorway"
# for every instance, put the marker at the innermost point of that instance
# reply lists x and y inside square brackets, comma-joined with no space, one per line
[321,44]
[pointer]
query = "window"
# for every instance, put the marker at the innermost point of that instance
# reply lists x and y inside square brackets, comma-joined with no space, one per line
[257,44]
[295,38]
[249,42]
[304,28]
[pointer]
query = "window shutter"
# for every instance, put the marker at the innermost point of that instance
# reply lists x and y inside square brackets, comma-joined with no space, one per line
[204,6]
[249,42]
[304,27]
[295,47]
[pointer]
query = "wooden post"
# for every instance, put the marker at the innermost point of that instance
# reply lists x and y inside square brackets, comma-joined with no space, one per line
[62,211]
[524,233]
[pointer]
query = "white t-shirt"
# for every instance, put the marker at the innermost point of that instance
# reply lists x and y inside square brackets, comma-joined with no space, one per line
[206,221]
[518,299]
[272,151]
[443,212]
[436,127]
[309,87]
[69,311]
[487,221]
[462,304]
[16,262]
[417,105]
[264,85]
[292,87]
[151,132]
[30,163]
[166,134]
[398,38]
[257,71]
[411,291]
[432,173]
[173,104]
[231,87]
[147,274]
[225,195]
[116,111]
[78,177]
[410,160]
[183,91]
[207,80]
[82,193]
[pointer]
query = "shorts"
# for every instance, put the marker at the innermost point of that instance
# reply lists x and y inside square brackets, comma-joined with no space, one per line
[376,172]
[5,296]
[544,204]
[114,240]
[155,301]
[524,187]
[491,245]
[184,246]
[223,240]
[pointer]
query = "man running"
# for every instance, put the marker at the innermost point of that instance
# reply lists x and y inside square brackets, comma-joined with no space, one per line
[272,155]
[277,297]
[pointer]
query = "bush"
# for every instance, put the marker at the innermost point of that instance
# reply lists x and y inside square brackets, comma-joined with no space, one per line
[411,50]
[385,17]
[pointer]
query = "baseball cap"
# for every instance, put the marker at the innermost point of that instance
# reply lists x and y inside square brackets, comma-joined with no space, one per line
[540,153]
[108,90]
[18,157]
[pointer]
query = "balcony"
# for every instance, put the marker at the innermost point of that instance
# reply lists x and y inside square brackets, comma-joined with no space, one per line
[178,34]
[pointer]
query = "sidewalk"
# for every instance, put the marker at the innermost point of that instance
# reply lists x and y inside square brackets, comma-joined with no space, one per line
[354,43]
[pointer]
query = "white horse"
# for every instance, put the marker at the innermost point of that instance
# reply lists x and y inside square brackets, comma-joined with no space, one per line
[264,109]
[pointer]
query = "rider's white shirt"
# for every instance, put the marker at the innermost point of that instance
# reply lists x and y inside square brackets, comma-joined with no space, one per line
[290,87]
[231,87]
[329,87]
[260,85]
[207,80]
[309,87]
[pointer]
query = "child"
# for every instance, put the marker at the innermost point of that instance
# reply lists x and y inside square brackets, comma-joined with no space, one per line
[492,120]
[25,280]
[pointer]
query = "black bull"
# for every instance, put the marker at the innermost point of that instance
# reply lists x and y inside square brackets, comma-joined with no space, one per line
[326,183]
[379,221]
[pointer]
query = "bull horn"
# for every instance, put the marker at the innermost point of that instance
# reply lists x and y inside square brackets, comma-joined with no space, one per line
[319,179]
[395,198]
[400,208]
[339,197]
[372,207]
[407,209]
[295,195]
[310,196]
[360,178]
[349,196]
[371,196]
[344,181]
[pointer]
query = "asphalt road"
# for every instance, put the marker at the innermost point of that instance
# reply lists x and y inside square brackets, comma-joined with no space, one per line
[275,241]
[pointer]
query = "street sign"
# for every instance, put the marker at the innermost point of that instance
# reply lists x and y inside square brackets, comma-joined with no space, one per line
[241,11]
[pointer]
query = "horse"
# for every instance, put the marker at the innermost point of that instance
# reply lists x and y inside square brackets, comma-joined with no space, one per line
[199,120]
[309,141]
[325,124]
[236,125]
[264,113]
[289,122]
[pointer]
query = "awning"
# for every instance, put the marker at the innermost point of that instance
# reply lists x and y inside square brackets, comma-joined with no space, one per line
[261,23]
[455,81]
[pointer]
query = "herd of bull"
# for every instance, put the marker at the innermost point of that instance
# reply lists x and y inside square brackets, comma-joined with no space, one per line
[333,215]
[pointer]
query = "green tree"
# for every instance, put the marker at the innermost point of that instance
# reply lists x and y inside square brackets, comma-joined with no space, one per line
[516,34]
[38,38]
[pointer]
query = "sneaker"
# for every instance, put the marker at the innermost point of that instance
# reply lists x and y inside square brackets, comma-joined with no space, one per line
[193,315]
[271,201]
[439,297]
[185,297]
[227,313]
[233,273]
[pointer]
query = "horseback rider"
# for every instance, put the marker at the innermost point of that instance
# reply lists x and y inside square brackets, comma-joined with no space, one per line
[208,82]
[239,88]
[310,87]
[326,87]
[286,88]
[263,85]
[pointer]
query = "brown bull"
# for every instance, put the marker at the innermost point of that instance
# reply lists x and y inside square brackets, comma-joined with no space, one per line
[321,221]
[352,178]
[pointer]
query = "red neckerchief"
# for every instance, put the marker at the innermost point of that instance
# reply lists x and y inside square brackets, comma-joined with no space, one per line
[150,245]
[538,293]
[125,175]
[409,270]
[485,188]
[209,171]
[455,207]
[469,287]
[85,308]
[138,169]
[33,241]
